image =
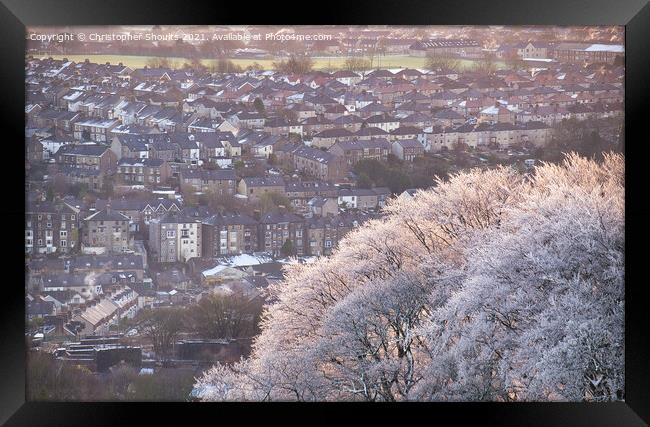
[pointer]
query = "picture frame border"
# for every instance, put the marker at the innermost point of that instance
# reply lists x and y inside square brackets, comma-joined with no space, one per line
[16,15]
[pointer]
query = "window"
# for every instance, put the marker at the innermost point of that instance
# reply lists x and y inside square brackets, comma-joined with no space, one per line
[63,234]
[64,243]
[171,233]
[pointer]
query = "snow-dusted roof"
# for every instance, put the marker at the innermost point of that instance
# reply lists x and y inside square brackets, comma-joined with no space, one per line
[605,48]
[539,59]
[214,270]
[243,260]
[490,110]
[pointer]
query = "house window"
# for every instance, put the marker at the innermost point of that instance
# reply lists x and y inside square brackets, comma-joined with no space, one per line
[64,243]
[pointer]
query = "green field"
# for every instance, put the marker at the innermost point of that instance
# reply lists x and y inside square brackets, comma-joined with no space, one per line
[320,63]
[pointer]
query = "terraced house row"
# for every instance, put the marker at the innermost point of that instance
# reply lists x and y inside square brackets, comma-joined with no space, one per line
[178,237]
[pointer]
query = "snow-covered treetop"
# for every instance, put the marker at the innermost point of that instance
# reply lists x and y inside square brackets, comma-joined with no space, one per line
[490,286]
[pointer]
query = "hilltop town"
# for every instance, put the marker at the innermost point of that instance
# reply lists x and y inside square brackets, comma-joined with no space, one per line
[157,188]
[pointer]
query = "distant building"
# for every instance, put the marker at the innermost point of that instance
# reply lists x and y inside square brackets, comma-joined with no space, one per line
[51,227]
[255,187]
[219,181]
[446,47]
[329,137]
[354,151]
[150,172]
[407,149]
[587,52]
[97,130]
[106,231]
[279,230]
[229,234]
[101,313]
[319,164]
[323,206]
[301,192]
[363,199]
[175,237]
[87,157]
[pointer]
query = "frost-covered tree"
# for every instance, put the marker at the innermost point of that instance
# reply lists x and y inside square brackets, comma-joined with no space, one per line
[489,286]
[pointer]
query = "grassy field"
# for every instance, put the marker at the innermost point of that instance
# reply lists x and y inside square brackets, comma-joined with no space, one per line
[320,63]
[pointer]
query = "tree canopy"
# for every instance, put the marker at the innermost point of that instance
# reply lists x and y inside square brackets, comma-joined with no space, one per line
[295,64]
[435,62]
[493,286]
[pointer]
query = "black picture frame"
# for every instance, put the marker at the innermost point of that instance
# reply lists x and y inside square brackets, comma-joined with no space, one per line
[15,15]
